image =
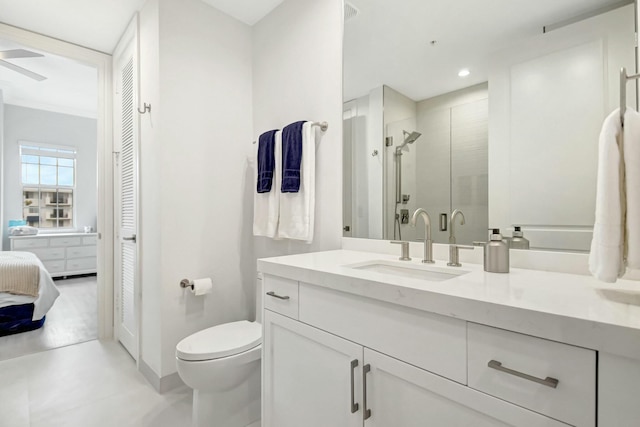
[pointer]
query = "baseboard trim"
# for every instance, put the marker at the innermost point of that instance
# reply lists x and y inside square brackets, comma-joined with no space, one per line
[160,384]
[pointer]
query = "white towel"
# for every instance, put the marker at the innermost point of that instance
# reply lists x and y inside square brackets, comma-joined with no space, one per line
[297,210]
[266,206]
[631,134]
[606,260]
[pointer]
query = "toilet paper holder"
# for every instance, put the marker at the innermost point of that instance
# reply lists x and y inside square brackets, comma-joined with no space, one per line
[186,283]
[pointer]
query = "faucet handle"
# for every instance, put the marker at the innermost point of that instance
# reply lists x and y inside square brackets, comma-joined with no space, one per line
[454,259]
[404,250]
[463,246]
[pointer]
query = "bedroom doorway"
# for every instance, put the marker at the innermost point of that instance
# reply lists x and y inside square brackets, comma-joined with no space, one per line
[55,140]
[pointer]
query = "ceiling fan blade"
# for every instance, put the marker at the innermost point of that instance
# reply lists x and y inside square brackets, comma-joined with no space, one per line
[23,71]
[18,53]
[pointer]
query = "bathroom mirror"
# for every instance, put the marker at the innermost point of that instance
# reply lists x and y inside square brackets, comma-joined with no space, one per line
[492,107]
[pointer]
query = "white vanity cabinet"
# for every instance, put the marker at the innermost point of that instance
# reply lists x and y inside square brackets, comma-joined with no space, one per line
[307,376]
[333,359]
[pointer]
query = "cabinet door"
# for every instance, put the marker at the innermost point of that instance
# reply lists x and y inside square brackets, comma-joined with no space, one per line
[398,394]
[309,376]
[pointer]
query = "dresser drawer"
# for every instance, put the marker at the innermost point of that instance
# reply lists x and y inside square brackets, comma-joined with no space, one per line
[89,240]
[522,369]
[281,295]
[81,251]
[47,254]
[54,266]
[429,341]
[19,244]
[65,241]
[81,264]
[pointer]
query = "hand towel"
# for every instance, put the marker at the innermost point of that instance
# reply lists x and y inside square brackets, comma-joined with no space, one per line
[631,133]
[266,206]
[297,210]
[266,161]
[606,259]
[292,148]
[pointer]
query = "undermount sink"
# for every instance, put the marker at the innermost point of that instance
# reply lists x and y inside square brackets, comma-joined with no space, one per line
[412,271]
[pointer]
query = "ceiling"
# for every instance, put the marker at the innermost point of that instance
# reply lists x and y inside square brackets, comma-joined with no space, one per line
[71,87]
[388,42]
[96,24]
[247,11]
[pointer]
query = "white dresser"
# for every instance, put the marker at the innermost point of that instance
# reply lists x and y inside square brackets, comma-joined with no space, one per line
[65,254]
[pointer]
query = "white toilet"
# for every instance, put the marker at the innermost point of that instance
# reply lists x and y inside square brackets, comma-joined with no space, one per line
[222,365]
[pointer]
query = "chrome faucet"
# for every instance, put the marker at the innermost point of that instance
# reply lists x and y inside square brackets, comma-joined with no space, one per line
[428,244]
[454,255]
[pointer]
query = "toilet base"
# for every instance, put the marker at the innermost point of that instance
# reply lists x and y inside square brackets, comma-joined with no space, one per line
[236,407]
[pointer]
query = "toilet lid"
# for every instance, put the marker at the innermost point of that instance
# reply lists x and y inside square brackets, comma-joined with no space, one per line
[220,341]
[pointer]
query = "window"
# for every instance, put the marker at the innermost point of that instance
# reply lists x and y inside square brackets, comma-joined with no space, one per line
[48,184]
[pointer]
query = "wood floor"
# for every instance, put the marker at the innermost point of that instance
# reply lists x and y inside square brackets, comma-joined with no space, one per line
[72,319]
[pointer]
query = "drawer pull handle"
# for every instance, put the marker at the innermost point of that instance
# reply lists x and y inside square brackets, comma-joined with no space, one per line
[367,412]
[273,294]
[549,382]
[354,404]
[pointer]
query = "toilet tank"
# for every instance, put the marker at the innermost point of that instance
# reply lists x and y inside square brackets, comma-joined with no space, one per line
[259,297]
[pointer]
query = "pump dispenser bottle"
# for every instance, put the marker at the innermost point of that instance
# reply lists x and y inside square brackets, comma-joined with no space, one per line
[496,253]
[518,241]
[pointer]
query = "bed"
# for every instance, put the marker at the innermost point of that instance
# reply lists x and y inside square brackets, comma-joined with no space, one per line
[24,306]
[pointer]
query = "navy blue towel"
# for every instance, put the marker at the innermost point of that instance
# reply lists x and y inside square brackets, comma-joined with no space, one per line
[291,157]
[266,160]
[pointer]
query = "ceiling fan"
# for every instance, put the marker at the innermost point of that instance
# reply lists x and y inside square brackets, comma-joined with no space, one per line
[20,53]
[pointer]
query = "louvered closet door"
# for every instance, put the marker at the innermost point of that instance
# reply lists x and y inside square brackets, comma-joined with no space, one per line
[126,136]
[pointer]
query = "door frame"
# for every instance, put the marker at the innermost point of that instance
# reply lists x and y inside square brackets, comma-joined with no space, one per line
[102,62]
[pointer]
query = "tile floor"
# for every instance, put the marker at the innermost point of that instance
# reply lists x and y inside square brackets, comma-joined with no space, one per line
[93,384]
[72,319]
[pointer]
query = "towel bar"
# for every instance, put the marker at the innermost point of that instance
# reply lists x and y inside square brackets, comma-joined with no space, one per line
[323,127]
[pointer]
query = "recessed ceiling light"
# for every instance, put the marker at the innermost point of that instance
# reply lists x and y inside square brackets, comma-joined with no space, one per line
[464,72]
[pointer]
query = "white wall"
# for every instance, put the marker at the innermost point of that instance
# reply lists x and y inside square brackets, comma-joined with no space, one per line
[27,124]
[1,171]
[557,207]
[297,75]
[215,84]
[150,179]
[194,148]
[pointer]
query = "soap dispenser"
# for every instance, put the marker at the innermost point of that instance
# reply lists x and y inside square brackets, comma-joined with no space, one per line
[496,253]
[518,241]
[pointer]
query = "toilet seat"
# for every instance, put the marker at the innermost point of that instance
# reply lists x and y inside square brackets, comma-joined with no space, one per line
[220,341]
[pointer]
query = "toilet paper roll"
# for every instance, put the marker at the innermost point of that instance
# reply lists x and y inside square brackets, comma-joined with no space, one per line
[202,286]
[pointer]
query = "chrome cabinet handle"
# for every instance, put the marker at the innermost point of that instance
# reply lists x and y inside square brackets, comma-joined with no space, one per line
[354,404]
[367,412]
[273,294]
[549,382]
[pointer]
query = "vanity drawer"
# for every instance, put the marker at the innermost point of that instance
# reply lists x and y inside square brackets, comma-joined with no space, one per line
[65,241]
[281,296]
[46,254]
[498,358]
[429,341]
[29,243]
[81,251]
[89,240]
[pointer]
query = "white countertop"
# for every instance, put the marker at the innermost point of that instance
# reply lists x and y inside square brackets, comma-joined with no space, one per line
[563,307]
[43,235]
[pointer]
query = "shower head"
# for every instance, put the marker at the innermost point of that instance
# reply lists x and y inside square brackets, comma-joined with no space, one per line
[409,138]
